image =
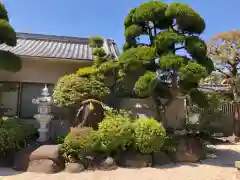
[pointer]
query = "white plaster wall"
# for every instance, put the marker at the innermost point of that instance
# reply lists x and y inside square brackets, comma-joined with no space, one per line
[42,70]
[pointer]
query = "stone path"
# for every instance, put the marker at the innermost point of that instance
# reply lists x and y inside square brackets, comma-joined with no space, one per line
[218,168]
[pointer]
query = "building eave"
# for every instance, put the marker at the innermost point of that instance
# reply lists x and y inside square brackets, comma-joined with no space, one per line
[39,58]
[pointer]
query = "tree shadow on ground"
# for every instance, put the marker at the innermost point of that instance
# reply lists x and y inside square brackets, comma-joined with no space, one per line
[176,165]
[8,172]
[223,158]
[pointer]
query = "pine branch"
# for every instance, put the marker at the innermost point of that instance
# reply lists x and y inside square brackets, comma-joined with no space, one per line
[227,75]
[182,47]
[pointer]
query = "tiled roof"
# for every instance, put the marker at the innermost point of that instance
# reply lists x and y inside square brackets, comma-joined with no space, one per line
[61,47]
[215,87]
[209,87]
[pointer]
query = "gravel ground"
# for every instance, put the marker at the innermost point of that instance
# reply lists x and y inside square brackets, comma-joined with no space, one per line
[220,167]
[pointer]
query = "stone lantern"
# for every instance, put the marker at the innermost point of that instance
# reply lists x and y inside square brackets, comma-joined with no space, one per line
[44,115]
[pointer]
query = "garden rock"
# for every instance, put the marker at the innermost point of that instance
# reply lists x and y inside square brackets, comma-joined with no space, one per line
[46,166]
[23,158]
[134,160]
[108,164]
[93,160]
[188,150]
[74,168]
[48,152]
[237,165]
[160,158]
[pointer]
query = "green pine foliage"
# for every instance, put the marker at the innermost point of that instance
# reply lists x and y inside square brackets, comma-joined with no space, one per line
[8,60]
[168,28]
[103,64]
[142,88]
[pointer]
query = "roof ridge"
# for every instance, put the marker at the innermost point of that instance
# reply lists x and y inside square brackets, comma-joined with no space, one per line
[60,38]
[70,39]
[76,48]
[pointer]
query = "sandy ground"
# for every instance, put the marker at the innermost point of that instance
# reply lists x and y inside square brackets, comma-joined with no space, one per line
[220,167]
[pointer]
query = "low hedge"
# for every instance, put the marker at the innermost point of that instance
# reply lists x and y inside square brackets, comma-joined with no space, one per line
[14,134]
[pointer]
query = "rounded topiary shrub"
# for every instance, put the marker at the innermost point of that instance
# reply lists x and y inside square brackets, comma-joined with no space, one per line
[149,135]
[80,137]
[76,143]
[114,133]
[72,89]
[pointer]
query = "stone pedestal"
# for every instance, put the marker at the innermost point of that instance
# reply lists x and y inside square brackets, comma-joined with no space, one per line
[43,129]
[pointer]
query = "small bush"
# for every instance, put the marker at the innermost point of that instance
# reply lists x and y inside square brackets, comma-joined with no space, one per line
[114,133]
[149,135]
[60,139]
[14,134]
[76,142]
[80,137]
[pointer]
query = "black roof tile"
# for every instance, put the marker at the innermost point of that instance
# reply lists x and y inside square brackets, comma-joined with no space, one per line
[62,47]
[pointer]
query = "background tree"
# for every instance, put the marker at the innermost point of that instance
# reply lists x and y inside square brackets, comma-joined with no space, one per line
[8,60]
[168,28]
[215,78]
[224,49]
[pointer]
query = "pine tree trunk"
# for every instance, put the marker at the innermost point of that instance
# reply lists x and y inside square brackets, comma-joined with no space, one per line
[161,111]
[236,113]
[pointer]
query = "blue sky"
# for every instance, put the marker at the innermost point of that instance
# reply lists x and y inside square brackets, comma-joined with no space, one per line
[105,18]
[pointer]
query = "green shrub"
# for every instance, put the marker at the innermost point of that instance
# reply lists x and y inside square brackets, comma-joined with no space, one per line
[114,133]
[60,139]
[80,137]
[72,89]
[112,113]
[14,134]
[149,135]
[76,142]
